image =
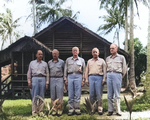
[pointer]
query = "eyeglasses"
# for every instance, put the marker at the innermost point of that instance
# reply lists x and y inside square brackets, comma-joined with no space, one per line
[112,48]
[40,54]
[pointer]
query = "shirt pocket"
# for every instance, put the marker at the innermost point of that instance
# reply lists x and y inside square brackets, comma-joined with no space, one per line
[99,67]
[51,67]
[118,65]
[58,69]
[109,66]
[70,65]
[43,68]
[34,68]
[91,64]
[79,66]
[79,63]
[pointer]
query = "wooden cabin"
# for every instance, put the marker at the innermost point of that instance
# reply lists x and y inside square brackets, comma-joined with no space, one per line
[66,33]
[63,34]
[18,55]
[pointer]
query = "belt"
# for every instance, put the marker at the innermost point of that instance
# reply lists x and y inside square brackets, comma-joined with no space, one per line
[95,75]
[56,76]
[113,72]
[74,73]
[40,75]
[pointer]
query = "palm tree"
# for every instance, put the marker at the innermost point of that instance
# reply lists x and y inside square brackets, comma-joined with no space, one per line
[8,26]
[51,11]
[148,51]
[132,83]
[125,3]
[114,20]
[123,8]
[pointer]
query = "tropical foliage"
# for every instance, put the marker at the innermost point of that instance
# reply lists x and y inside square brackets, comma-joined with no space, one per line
[140,59]
[123,6]
[148,52]
[8,27]
[51,11]
[114,20]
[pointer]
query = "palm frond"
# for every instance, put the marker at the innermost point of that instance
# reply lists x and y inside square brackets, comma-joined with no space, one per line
[129,105]
[52,11]
[89,106]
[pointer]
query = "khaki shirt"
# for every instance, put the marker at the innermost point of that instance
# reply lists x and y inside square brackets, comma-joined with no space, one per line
[37,68]
[116,64]
[74,66]
[96,67]
[56,68]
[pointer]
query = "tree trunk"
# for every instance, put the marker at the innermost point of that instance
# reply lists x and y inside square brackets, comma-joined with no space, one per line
[148,53]
[126,32]
[10,38]
[34,17]
[2,44]
[132,84]
[118,38]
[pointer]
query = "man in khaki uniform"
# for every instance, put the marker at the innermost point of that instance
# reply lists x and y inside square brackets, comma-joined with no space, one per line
[56,67]
[116,70]
[38,80]
[95,75]
[73,75]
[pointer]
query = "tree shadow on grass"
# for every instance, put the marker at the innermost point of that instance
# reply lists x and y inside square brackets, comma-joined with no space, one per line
[20,110]
[3,116]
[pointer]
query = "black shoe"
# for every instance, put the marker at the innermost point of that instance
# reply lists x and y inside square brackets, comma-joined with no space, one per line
[100,113]
[78,113]
[59,115]
[70,113]
[118,114]
[109,113]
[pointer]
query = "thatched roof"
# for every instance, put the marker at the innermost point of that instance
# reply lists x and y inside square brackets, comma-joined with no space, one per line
[24,44]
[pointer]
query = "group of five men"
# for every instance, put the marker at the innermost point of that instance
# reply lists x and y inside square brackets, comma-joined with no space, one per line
[75,74]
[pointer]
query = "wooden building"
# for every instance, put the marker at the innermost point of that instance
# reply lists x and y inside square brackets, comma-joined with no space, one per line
[63,34]
[19,55]
[67,33]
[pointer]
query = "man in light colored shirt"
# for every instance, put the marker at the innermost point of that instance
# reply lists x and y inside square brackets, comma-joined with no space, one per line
[38,80]
[56,67]
[95,75]
[116,70]
[74,69]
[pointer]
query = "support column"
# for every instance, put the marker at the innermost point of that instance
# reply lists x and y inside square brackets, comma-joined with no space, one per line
[12,72]
[32,56]
[44,56]
[22,63]
[0,81]
[81,41]
[53,40]
[105,52]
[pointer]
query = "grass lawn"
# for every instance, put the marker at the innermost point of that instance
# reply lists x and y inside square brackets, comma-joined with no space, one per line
[21,110]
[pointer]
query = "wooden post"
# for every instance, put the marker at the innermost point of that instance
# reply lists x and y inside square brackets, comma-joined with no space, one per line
[43,56]
[105,52]
[81,43]
[0,81]
[53,40]
[12,64]
[22,63]
[12,72]
[32,55]
[22,73]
